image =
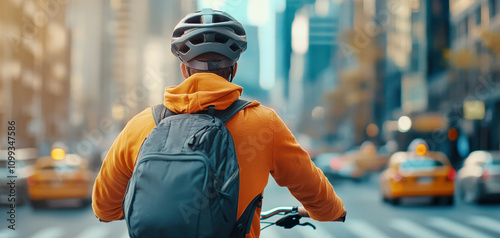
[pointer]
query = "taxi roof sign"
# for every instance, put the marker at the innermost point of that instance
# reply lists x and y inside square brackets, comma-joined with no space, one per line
[421,149]
[57,154]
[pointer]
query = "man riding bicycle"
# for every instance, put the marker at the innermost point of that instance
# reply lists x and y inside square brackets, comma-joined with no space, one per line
[263,143]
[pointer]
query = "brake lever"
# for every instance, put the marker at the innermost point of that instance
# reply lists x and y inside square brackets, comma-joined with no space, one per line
[307,224]
[289,221]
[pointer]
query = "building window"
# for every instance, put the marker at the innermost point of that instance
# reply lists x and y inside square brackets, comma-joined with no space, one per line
[495,77]
[415,56]
[454,35]
[478,16]
[493,8]
[479,49]
[464,28]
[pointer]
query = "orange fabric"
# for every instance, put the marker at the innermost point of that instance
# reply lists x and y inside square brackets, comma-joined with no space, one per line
[264,146]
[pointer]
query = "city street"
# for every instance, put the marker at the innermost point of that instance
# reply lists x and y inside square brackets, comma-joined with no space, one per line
[407,89]
[367,217]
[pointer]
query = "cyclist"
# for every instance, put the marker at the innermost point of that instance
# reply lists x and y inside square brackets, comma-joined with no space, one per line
[264,145]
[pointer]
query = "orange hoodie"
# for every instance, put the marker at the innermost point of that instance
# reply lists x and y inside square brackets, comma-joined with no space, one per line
[264,146]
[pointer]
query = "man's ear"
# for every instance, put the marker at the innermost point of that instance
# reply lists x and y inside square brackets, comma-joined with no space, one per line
[184,70]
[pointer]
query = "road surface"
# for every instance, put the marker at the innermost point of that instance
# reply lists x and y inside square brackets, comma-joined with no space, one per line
[367,216]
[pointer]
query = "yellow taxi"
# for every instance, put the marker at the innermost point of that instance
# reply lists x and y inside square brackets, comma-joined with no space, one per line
[418,173]
[60,176]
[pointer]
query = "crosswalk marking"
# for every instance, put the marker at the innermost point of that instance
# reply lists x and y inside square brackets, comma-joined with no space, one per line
[98,231]
[459,230]
[486,223]
[412,229]
[51,232]
[434,227]
[363,229]
[310,232]
[8,233]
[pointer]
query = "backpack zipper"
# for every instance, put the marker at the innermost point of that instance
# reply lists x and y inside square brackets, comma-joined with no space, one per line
[194,140]
[230,180]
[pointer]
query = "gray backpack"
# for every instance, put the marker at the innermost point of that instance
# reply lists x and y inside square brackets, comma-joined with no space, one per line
[186,178]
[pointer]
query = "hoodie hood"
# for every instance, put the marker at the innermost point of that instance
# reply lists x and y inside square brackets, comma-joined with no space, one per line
[199,91]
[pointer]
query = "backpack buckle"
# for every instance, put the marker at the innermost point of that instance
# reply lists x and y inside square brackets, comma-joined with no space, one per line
[211,110]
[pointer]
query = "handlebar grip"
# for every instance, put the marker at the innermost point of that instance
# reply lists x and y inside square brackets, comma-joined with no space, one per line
[303,212]
[342,218]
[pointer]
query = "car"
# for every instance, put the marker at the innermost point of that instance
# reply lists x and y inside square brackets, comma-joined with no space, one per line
[337,166]
[329,163]
[358,164]
[21,166]
[66,177]
[418,174]
[479,177]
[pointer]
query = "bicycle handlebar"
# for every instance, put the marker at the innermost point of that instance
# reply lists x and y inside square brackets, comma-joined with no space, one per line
[301,211]
[277,210]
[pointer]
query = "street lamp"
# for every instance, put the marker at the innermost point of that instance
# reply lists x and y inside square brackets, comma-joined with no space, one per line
[300,33]
[404,124]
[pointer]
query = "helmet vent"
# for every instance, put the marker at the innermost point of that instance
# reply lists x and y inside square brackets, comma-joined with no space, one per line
[221,38]
[220,18]
[234,47]
[238,31]
[184,49]
[197,39]
[194,20]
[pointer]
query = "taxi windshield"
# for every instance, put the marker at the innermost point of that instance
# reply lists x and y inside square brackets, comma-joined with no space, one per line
[495,162]
[420,164]
[61,168]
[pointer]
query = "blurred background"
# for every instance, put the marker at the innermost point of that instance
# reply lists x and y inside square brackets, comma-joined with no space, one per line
[355,80]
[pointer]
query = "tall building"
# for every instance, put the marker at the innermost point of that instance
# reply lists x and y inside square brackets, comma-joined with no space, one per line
[121,63]
[286,20]
[320,75]
[306,40]
[417,42]
[473,90]
[76,71]
[352,102]
[35,70]
[446,56]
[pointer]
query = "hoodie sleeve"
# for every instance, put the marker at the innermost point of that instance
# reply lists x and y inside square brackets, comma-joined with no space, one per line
[293,168]
[116,170]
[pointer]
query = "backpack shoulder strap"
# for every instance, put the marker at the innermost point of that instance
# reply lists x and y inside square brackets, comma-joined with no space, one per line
[244,223]
[228,113]
[160,112]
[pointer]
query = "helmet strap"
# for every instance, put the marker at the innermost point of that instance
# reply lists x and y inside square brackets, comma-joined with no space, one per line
[231,76]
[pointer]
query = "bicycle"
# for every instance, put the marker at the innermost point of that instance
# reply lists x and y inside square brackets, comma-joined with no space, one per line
[291,217]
